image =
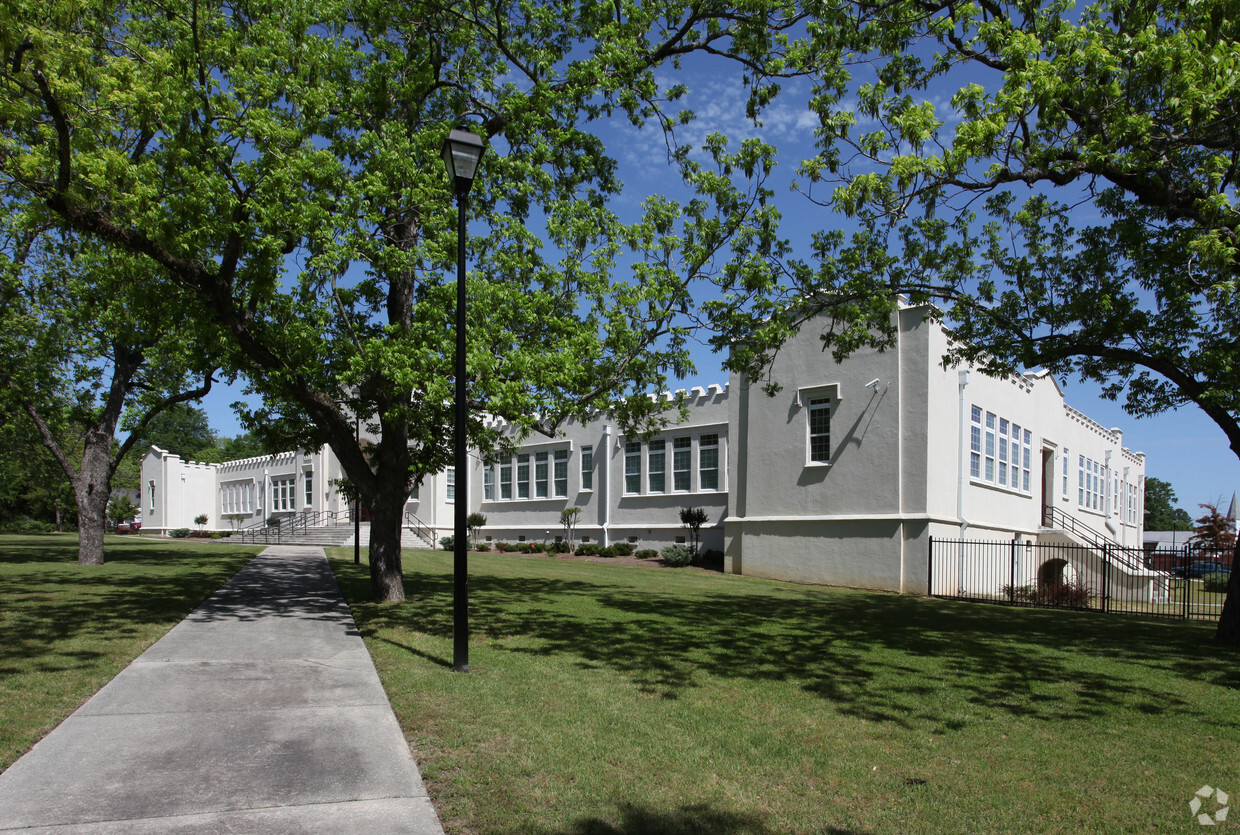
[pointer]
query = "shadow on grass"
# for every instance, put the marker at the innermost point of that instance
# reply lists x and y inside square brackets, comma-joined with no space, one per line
[57,615]
[880,657]
[686,820]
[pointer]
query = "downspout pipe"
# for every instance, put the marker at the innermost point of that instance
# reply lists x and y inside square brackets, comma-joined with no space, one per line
[962,476]
[605,485]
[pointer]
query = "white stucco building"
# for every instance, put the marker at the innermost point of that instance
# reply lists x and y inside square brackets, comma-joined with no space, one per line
[841,478]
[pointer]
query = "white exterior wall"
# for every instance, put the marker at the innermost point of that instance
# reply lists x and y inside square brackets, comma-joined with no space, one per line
[174,492]
[610,512]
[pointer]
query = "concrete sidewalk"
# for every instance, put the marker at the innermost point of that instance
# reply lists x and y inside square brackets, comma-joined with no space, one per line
[261,712]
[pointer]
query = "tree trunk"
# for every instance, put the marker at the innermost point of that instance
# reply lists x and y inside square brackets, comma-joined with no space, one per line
[386,518]
[1229,621]
[91,489]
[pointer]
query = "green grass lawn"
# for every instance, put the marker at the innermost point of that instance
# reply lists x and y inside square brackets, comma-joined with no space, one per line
[613,699]
[66,630]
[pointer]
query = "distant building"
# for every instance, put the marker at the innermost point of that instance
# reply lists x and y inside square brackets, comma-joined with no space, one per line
[840,479]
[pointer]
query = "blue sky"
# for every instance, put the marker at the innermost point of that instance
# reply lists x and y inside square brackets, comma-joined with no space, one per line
[1184,448]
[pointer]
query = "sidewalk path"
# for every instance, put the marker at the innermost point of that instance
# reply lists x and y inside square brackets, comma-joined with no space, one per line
[260,712]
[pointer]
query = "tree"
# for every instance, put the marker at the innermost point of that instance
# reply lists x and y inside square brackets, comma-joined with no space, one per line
[1161,514]
[475,522]
[693,518]
[568,521]
[281,161]
[85,336]
[1215,530]
[121,509]
[182,429]
[1056,181]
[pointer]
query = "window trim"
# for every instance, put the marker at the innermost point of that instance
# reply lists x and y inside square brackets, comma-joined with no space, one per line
[811,399]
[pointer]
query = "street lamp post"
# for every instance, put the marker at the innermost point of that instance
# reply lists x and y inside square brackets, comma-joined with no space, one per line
[461,152]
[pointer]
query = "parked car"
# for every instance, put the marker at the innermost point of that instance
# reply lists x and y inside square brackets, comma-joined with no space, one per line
[1197,570]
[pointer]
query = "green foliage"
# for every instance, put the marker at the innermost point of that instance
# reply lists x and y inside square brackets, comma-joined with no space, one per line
[448,543]
[1161,514]
[623,549]
[646,554]
[178,533]
[693,518]
[587,549]
[608,551]
[1215,582]
[560,547]
[677,556]
[121,509]
[281,163]
[483,547]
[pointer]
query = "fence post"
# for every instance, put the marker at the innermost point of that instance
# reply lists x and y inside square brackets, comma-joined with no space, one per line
[1012,572]
[1106,575]
[930,570]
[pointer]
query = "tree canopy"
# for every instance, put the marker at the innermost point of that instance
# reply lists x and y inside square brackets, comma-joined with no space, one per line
[281,162]
[1161,512]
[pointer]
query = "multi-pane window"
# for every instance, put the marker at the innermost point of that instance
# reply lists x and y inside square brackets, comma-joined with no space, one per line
[560,473]
[282,493]
[708,462]
[488,483]
[505,477]
[820,429]
[975,444]
[308,485]
[450,483]
[236,498]
[523,476]
[1000,451]
[656,460]
[1091,482]
[682,463]
[632,466]
[1066,459]
[587,467]
[541,475]
[151,493]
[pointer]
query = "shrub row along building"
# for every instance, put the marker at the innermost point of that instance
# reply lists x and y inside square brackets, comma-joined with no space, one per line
[840,479]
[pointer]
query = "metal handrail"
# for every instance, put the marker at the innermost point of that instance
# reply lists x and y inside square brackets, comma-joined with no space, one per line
[280,529]
[415,524]
[1110,550]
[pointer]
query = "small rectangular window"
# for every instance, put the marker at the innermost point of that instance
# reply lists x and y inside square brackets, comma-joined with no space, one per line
[560,474]
[632,466]
[450,482]
[309,487]
[656,460]
[820,429]
[708,461]
[682,463]
[587,467]
[488,483]
[523,476]
[505,477]
[541,475]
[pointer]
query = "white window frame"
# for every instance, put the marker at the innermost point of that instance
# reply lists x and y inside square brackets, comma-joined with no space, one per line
[1000,451]
[542,475]
[682,464]
[656,466]
[633,468]
[704,449]
[449,484]
[559,473]
[587,467]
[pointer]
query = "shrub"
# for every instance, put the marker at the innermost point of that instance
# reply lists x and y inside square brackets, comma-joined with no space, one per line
[646,554]
[557,547]
[26,525]
[522,547]
[677,555]
[483,547]
[587,549]
[501,547]
[448,543]
[178,533]
[1074,595]
[609,552]
[1215,582]
[537,548]
[624,549]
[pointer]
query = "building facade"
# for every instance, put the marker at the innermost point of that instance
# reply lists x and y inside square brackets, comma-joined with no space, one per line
[841,478]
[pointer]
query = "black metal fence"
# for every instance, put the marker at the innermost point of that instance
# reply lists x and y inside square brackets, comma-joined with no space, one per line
[1188,584]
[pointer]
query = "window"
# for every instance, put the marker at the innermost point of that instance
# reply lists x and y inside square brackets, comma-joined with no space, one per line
[488,483]
[151,493]
[682,463]
[632,466]
[1000,451]
[708,462]
[413,494]
[541,475]
[1066,459]
[1091,484]
[975,444]
[560,473]
[656,460]
[308,486]
[282,493]
[587,467]
[820,430]
[450,483]
[505,477]
[523,476]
